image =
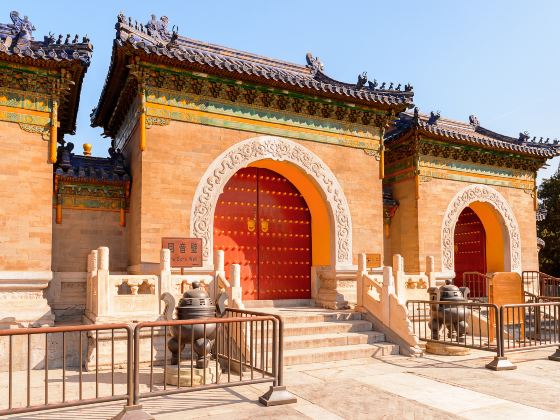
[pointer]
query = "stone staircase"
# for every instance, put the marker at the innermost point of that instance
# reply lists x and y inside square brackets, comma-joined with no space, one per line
[314,335]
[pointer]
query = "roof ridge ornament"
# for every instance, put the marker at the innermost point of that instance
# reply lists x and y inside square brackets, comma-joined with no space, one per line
[416,117]
[158,29]
[314,64]
[434,117]
[524,137]
[22,30]
[362,80]
[473,120]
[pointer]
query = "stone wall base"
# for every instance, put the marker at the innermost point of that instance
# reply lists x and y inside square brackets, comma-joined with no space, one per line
[22,300]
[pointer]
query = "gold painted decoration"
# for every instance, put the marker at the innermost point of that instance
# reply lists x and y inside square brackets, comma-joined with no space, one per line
[150,121]
[36,129]
[54,132]
[251,224]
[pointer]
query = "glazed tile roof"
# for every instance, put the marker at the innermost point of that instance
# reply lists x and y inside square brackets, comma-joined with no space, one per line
[470,133]
[17,40]
[388,200]
[154,40]
[17,45]
[89,168]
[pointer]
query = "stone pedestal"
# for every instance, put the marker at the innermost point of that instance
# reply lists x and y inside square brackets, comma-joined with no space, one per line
[212,375]
[338,288]
[446,350]
[22,300]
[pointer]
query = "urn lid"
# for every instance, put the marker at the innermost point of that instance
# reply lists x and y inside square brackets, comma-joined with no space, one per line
[450,292]
[195,297]
[196,291]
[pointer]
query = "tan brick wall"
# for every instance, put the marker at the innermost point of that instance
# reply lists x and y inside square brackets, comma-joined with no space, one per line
[404,227]
[26,184]
[133,218]
[178,155]
[84,230]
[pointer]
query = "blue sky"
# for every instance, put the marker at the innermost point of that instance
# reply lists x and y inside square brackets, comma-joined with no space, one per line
[496,59]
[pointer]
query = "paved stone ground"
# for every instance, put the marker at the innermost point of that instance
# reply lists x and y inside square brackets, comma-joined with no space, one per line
[393,387]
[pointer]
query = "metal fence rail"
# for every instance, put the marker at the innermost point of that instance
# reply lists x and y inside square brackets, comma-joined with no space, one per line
[477,284]
[60,376]
[460,324]
[509,328]
[531,325]
[541,284]
[79,365]
[237,364]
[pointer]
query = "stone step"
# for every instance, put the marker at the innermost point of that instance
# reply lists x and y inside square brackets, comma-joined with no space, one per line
[310,317]
[327,354]
[329,340]
[283,303]
[332,340]
[326,327]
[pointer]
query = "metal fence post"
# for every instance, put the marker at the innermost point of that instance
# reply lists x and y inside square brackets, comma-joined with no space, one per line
[500,362]
[278,394]
[133,410]
[556,356]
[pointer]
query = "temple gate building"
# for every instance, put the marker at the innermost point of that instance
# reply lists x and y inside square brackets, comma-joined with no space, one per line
[275,163]
[468,195]
[289,172]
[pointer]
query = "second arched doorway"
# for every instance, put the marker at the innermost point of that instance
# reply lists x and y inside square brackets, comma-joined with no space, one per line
[470,245]
[263,223]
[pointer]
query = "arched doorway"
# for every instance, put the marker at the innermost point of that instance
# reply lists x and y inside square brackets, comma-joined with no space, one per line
[503,242]
[318,184]
[470,245]
[263,223]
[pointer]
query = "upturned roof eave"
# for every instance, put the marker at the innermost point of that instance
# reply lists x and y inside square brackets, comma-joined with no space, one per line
[51,64]
[461,138]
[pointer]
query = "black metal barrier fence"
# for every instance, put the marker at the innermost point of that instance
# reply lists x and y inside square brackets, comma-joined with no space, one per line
[55,367]
[540,284]
[485,326]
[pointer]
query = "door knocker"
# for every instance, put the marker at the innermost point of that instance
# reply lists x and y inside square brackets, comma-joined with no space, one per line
[251,224]
[264,225]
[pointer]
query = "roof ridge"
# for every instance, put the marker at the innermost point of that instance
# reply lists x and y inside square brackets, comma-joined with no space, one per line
[471,132]
[156,34]
[17,39]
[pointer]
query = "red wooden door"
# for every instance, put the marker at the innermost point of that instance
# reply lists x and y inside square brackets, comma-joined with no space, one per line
[263,223]
[284,239]
[235,228]
[470,245]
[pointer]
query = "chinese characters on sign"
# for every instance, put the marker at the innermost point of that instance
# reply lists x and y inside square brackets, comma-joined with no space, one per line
[185,252]
[373,260]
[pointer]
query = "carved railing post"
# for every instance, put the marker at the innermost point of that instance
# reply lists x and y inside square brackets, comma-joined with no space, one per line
[430,271]
[235,298]
[104,293]
[399,277]
[362,270]
[387,289]
[91,284]
[220,282]
[165,282]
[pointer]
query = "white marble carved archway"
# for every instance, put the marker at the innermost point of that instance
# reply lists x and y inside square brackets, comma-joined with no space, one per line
[268,147]
[510,228]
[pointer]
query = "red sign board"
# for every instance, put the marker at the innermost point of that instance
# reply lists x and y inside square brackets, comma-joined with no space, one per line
[185,252]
